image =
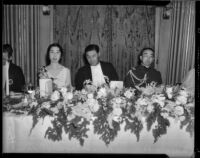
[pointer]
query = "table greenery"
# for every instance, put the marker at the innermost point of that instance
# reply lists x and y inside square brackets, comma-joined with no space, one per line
[106,109]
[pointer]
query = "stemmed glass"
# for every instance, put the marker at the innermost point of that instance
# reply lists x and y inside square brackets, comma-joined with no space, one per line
[30,88]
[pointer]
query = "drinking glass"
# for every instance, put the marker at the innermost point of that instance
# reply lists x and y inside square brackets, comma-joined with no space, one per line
[30,88]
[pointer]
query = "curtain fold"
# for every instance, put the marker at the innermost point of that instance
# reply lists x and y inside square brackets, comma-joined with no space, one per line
[21,30]
[182,43]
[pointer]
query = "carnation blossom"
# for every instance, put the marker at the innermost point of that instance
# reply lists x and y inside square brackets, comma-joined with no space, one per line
[69,95]
[55,95]
[117,111]
[150,108]
[63,90]
[178,110]
[60,105]
[93,104]
[169,91]
[159,98]
[129,93]
[164,114]
[141,101]
[70,117]
[181,100]
[183,93]
[182,118]
[90,96]
[101,93]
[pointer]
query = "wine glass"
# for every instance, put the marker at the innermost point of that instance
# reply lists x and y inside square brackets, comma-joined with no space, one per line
[30,88]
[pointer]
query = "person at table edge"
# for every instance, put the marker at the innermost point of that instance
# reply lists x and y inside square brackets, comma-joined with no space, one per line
[144,73]
[15,73]
[95,70]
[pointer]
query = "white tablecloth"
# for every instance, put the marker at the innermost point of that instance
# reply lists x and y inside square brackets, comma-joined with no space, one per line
[17,138]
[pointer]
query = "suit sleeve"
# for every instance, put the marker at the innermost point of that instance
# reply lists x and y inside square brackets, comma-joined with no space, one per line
[128,82]
[79,80]
[159,78]
[114,75]
[20,79]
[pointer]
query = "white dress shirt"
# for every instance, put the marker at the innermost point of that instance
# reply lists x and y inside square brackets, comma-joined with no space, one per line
[97,75]
[6,77]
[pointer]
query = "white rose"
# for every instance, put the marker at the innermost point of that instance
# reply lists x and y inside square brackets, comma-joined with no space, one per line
[69,95]
[128,94]
[182,118]
[55,96]
[181,100]
[164,114]
[101,93]
[63,90]
[70,117]
[60,105]
[141,101]
[159,99]
[90,96]
[93,105]
[55,110]
[169,91]
[118,100]
[83,91]
[117,111]
[150,108]
[183,93]
[178,110]
[46,105]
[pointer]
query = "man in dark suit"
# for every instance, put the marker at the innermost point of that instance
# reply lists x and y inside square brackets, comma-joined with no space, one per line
[144,73]
[15,74]
[97,71]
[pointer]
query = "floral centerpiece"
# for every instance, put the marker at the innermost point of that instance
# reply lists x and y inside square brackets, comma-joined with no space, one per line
[106,109]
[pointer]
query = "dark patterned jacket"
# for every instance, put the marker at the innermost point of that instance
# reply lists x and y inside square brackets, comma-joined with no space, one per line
[136,75]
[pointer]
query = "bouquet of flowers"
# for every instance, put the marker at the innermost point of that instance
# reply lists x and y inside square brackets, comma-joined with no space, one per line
[106,109]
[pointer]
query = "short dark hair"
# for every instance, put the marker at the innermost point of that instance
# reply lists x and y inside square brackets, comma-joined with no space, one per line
[48,52]
[87,49]
[142,51]
[8,48]
[92,47]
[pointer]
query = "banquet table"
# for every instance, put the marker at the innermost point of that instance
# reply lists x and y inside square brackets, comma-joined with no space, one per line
[17,139]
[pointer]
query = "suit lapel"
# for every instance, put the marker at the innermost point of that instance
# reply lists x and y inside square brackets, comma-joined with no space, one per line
[103,68]
[89,72]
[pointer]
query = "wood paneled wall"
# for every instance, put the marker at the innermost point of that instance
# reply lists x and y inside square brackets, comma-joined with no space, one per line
[120,31]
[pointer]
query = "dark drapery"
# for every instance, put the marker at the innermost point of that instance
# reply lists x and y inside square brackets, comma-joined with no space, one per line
[21,30]
[182,43]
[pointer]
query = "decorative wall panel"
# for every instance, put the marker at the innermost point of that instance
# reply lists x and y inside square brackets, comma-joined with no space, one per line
[120,31]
